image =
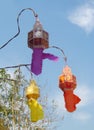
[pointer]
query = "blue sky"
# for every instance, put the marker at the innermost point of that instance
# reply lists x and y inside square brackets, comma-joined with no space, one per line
[70,25]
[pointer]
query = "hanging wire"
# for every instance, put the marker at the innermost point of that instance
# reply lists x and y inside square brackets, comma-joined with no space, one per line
[19,66]
[35,15]
[16,66]
[29,71]
[65,58]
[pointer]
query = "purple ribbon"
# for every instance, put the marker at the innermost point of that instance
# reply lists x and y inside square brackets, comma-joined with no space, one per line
[37,57]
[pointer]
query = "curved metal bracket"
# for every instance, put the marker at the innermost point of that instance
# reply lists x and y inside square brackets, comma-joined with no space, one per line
[35,15]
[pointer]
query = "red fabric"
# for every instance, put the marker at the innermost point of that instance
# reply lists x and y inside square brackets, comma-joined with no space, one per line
[70,100]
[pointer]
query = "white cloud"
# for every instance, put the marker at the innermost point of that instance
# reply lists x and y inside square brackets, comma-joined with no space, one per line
[83,16]
[86,94]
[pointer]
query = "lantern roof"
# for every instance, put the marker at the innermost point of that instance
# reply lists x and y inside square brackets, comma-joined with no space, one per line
[37,26]
[67,70]
[33,90]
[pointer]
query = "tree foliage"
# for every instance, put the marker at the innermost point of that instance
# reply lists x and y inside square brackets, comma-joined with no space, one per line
[14,112]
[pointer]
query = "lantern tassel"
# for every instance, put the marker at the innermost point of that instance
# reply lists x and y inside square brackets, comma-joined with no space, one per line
[71,100]
[37,57]
[36,110]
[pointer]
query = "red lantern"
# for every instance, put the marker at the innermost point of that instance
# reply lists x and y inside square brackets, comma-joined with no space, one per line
[67,83]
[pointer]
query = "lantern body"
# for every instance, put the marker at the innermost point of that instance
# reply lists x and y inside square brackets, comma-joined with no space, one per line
[32,91]
[67,80]
[38,38]
[67,84]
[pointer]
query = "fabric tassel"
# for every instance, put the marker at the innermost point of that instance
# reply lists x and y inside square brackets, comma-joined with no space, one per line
[36,110]
[70,100]
[37,57]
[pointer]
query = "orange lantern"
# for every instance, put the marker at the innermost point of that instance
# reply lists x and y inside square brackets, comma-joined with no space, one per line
[67,83]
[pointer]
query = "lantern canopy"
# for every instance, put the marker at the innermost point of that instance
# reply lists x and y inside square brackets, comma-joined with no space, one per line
[38,38]
[32,91]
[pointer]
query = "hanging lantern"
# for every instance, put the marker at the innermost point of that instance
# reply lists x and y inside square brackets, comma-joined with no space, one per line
[32,94]
[67,83]
[38,40]
[32,91]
